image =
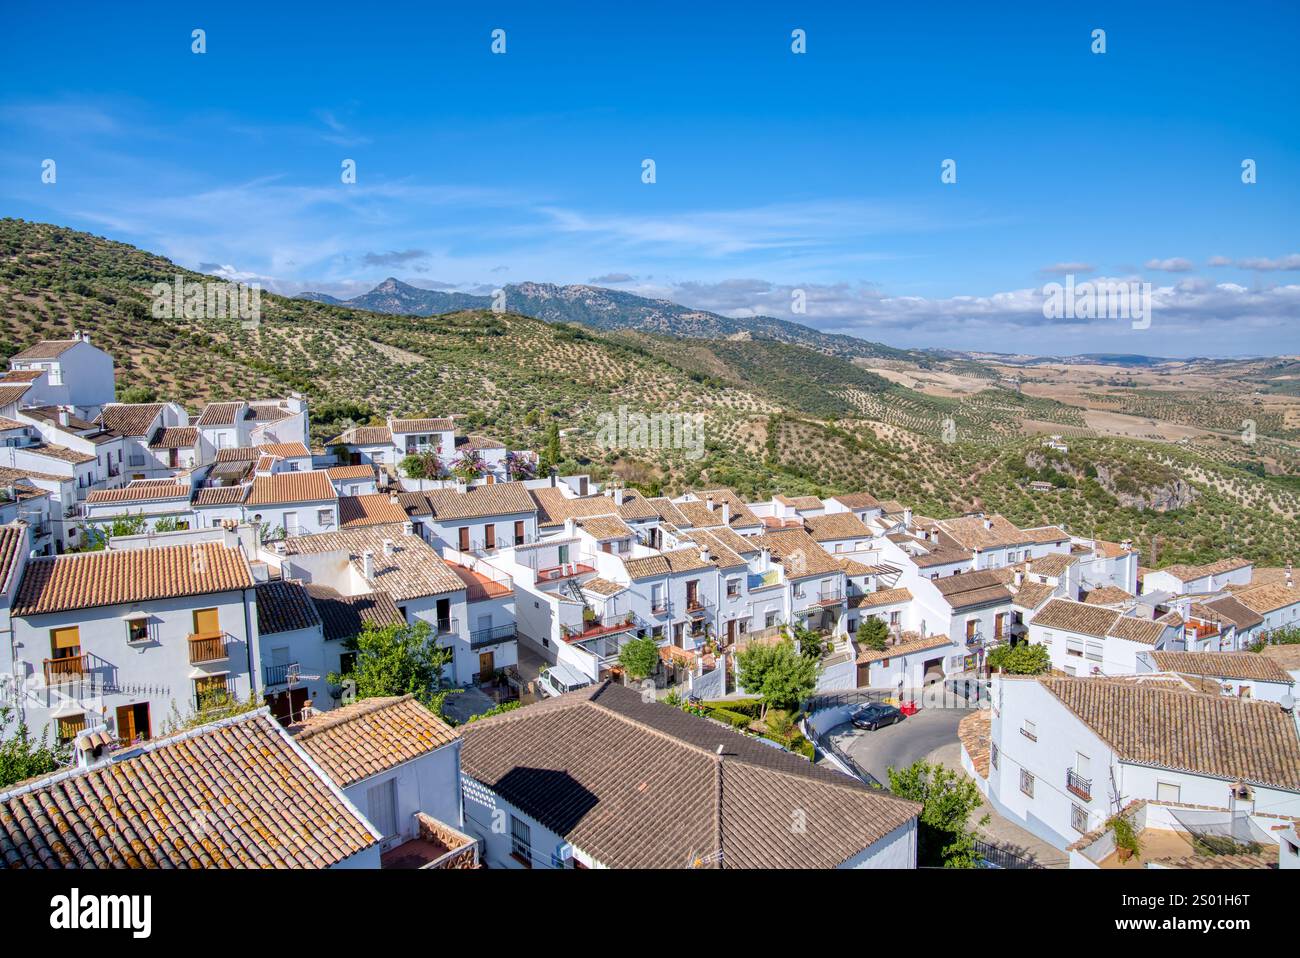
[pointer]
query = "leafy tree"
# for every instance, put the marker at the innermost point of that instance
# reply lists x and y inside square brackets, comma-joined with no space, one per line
[1027,658]
[873,633]
[95,535]
[138,394]
[944,836]
[22,756]
[396,660]
[777,673]
[500,709]
[639,657]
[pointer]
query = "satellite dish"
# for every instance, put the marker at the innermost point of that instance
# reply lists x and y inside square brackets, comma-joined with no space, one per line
[1287,702]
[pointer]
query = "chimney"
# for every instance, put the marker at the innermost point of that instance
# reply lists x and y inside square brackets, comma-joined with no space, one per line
[570,527]
[1019,578]
[618,494]
[705,555]
[368,564]
[708,502]
[1289,583]
[764,559]
[389,547]
[988,523]
[392,497]
[1126,545]
[63,416]
[907,518]
[554,472]
[460,485]
[408,528]
[85,336]
[726,512]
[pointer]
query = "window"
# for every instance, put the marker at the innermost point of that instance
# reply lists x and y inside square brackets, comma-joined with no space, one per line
[1074,647]
[1093,653]
[519,533]
[1078,819]
[381,803]
[1029,730]
[657,597]
[769,620]
[1168,792]
[70,727]
[137,630]
[895,619]
[325,518]
[1027,783]
[65,643]
[1082,765]
[733,588]
[521,842]
[994,752]
[347,662]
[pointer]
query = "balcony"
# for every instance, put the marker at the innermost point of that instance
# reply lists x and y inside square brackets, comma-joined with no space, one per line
[567,571]
[280,674]
[1076,784]
[830,596]
[208,647]
[483,637]
[437,845]
[601,625]
[448,626]
[696,605]
[67,669]
[213,697]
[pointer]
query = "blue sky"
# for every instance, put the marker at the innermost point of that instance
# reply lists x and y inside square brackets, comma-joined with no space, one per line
[775,171]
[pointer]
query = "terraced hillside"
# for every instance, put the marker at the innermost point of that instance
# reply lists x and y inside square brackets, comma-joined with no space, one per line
[777,416]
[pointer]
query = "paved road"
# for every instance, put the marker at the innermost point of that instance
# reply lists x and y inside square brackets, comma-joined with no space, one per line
[898,746]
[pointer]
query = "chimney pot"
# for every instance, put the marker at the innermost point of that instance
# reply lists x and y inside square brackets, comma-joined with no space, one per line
[708,502]
[389,547]
[368,564]
[726,513]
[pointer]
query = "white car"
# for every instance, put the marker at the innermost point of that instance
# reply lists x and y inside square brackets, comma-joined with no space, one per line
[558,679]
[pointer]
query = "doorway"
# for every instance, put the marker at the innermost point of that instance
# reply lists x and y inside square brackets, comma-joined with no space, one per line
[133,723]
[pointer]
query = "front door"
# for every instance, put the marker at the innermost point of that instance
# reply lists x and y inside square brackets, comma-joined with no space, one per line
[490,536]
[133,723]
[463,541]
[731,631]
[486,666]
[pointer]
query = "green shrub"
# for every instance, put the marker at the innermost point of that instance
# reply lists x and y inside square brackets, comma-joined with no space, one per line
[734,719]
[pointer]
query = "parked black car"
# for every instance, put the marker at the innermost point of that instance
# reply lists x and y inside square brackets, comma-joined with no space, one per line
[875,714]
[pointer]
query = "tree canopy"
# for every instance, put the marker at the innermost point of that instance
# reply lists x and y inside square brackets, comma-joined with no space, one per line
[23,756]
[639,657]
[778,673]
[396,660]
[944,836]
[1023,659]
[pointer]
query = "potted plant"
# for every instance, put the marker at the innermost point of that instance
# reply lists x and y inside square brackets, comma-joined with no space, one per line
[1127,843]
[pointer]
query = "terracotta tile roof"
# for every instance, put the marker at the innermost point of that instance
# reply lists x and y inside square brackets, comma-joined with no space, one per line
[51,414]
[970,532]
[1108,595]
[363,436]
[971,589]
[13,542]
[733,540]
[742,517]
[285,450]
[974,734]
[604,527]
[603,586]
[442,424]
[1224,737]
[375,508]
[476,443]
[906,647]
[137,492]
[1228,665]
[371,736]
[799,553]
[720,555]
[10,475]
[223,413]
[476,502]
[859,500]
[1230,609]
[237,794]
[130,419]
[944,552]
[269,411]
[343,616]
[667,788]
[118,577]
[1054,564]
[667,510]
[883,597]
[22,375]
[7,424]
[1190,573]
[1031,595]
[836,525]
[799,503]
[12,392]
[45,349]
[1287,656]
[284,606]
[1268,598]
[350,472]
[239,454]
[1076,617]
[284,488]
[59,453]
[553,507]
[174,437]
[665,563]
[413,570]
[219,495]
